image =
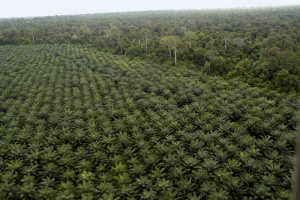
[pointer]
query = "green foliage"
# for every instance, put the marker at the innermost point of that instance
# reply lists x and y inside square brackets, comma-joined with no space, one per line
[253,44]
[76,123]
[284,82]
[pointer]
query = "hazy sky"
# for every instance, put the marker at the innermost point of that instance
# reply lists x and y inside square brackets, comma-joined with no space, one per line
[25,8]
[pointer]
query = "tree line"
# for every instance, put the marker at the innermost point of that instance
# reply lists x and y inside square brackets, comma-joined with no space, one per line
[259,46]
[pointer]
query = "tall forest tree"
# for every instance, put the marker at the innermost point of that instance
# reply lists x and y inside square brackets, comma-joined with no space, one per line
[172,42]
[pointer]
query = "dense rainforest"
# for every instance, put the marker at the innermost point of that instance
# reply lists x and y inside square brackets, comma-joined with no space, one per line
[260,46]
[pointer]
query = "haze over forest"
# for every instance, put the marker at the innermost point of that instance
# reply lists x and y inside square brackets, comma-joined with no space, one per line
[35,8]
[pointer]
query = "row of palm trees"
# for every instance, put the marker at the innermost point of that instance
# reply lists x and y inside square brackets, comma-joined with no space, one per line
[77,123]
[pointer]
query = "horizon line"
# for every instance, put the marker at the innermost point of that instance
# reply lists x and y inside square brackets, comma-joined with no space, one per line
[135,11]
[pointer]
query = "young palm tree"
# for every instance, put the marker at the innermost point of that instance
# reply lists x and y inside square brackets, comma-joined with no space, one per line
[105,187]
[261,191]
[210,164]
[208,188]
[235,188]
[109,196]
[27,191]
[65,195]
[86,187]
[219,195]
[148,194]
[233,165]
